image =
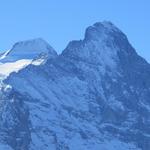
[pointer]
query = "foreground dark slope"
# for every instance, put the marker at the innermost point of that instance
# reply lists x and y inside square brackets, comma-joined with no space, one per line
[95,95]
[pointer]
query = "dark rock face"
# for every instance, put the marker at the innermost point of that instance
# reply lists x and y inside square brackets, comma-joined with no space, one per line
[15,126]
[95,95]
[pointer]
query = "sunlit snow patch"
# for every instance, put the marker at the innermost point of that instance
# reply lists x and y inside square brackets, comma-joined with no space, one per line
[7,68]
[4,54]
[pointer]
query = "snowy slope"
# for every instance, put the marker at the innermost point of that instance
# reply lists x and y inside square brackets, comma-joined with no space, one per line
[95,95]
[29,49]
[4,55]
[7,68]
[24,53]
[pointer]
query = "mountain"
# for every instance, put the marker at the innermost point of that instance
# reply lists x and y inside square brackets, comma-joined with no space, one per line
[28,50]
[23,53]
[95,95]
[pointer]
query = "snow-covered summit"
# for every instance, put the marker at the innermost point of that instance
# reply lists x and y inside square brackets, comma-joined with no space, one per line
[30,49]
[35,51]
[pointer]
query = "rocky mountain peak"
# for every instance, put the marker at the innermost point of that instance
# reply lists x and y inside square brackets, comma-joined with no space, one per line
[103,44]
[101,30]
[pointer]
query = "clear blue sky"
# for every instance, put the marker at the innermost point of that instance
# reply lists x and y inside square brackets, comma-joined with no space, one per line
[59,21]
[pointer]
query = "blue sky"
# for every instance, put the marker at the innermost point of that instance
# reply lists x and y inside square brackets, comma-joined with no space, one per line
[58,21]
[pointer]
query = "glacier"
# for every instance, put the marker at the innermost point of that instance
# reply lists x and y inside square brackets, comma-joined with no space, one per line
[94,95]
[23,53]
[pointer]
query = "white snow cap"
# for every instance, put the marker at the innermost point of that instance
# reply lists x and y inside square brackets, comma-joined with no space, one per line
[30,49]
